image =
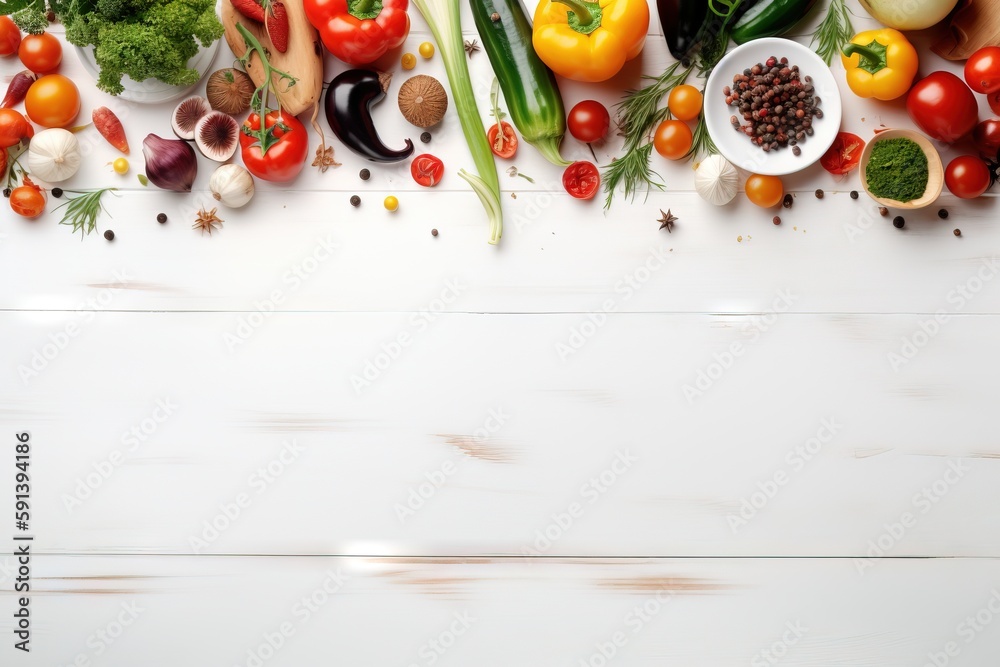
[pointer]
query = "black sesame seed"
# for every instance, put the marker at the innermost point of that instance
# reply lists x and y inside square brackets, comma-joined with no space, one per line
[943,214]
[854,194]
[355,201]
[898,222]
[57,192]
[161,218]
[109,235]
[365,174]
[425,137]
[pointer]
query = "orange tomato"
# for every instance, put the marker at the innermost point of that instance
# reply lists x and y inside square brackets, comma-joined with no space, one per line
[40,53]
[13,127]
[52,101]
[27,200]
[684,102]
[672,139]
[764,191]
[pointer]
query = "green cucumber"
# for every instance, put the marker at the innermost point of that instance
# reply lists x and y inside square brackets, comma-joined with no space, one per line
[529,87]
[769,18]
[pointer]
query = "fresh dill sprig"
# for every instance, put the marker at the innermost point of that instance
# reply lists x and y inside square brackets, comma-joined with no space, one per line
[631,170]
[835,31]
[82,211]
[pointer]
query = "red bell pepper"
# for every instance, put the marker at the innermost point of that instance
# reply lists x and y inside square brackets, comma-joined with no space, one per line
[359,31]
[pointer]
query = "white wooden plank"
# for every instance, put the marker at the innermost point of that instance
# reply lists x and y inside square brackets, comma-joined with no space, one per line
[536,613]
[502,432]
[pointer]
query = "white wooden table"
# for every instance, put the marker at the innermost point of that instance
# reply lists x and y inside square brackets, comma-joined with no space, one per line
[324,435]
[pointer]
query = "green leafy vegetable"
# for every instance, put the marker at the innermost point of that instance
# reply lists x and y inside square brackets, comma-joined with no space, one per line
[31,20]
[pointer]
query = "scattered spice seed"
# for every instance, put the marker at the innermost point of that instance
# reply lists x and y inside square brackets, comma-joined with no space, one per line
[109,235]
[787,201]
[471,47]
[854,194]
[207,221]
[943,214]
[365,174]
[57,192]
[355,201]
[957,232]
[667,220]
[883,211]
[898,222]
[434,232]
[819,193]
[425,137]
[776,220]
[6,192]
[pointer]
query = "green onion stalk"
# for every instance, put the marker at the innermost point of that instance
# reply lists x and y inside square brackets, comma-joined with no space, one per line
[443,17]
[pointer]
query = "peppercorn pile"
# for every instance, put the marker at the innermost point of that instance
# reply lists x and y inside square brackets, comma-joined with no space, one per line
[778,106]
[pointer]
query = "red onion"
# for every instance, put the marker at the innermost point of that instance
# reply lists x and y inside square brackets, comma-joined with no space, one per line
[18,88]
[171,164]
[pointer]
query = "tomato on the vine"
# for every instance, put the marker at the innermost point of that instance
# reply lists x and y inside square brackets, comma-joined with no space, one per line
[427,170]
[582,180]
[13,127]
[287,150]
[844,155]
[52,101]
[764,191]
[589,121]
[10,36]
[967,177]
[943,106]
[684,102]
[27,200]
[673,139]
[503,139]
[982,70]
[40,53]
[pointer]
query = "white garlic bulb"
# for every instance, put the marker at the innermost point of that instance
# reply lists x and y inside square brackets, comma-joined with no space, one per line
[716,180]
[232,185]
[54,155]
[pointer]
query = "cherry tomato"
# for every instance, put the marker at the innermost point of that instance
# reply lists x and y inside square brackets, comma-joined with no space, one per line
[967,177]
[844,155]
[27,200]
[427,170]
[589,121]
[987,137]
[13,127]
[3,163]
[283,160]
[994,100]
[673,139]
[40,53]
[982,70]
[764,191]
[52,101]
[684,102]
[503,144]
[943,106]
[10,36]
[582,180]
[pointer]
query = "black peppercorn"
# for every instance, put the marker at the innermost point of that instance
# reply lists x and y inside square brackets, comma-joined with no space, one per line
[161,218]
[109,235]
[355,201]
[943,214]
[787,201]
[776,220]
[425,137]
[6,192]
[957,232]
[57,192]
[883,211]
[365,174]
[898,222]
[434,232]
[854,194]
[819,193]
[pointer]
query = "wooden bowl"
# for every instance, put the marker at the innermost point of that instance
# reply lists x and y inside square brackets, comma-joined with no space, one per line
[935,171]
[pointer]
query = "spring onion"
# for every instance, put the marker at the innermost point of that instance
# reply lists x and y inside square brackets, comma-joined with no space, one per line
[443,17]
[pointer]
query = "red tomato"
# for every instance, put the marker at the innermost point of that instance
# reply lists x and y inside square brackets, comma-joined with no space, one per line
[427,170]
[582,180]
[994,100]
[503,144]
[13,127]
[27,200]
[52,101]
[987,137]
[967,177]
[844,155]
[589,121]
[982,70]
[943,106]
[283,159]
[10,36]
[40,53]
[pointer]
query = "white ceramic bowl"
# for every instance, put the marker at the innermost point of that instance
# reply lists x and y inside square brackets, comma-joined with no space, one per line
[736,146]
[154,91]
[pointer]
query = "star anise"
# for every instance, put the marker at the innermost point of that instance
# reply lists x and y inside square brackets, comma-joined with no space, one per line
[667,220]
[207,221]
[471,46]
[324,159]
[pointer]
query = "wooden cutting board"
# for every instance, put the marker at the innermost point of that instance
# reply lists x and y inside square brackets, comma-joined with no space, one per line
[303,59]
[973,25]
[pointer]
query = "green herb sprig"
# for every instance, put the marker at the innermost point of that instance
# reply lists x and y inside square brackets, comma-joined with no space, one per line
[835,31]
[82,211]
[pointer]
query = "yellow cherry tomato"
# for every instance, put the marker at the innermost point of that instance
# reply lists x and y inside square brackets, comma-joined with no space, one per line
[408,61]
[391,203]
[684,102]
[764,191]
[120,166]
[426,49]
[673,139]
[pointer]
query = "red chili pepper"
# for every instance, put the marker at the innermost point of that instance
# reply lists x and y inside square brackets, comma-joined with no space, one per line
[251,9]
[359,31]
[110,127]
[277,26]
[18,88]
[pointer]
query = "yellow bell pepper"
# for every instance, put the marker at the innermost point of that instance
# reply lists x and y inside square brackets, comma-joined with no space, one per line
[589,41]
[880,64]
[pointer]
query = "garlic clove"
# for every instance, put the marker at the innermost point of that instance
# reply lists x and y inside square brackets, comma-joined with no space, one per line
[232,185]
